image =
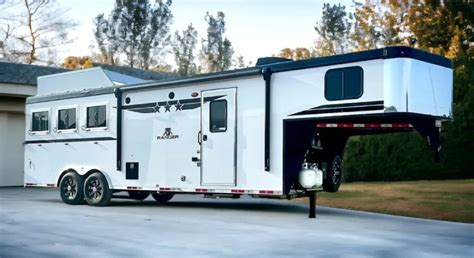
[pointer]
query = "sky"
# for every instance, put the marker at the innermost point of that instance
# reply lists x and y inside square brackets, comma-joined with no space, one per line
[256,28]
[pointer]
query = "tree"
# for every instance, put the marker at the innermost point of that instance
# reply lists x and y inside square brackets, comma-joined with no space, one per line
[217,51]
[332,30]
[77,62]
[31,30]
[298,53]
[183,48]
[239,62]
[135,29]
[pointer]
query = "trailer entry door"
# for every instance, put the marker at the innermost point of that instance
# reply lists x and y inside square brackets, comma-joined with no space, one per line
[218,139]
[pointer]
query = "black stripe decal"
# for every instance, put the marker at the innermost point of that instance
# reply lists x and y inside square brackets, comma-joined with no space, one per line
[92,139]
[337,108]
[367,103]
[169,106]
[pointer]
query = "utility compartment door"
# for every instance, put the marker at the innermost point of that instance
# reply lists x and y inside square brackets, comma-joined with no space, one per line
[218,137]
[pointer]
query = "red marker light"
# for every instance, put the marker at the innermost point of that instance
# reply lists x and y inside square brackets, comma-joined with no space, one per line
[194,94]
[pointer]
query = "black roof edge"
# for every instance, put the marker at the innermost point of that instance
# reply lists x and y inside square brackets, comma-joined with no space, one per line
[381,53]
[197,78]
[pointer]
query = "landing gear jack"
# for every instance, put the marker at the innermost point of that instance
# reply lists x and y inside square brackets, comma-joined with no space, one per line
[312,204]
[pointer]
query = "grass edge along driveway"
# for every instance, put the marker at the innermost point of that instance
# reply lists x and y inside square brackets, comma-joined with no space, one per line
[451,200]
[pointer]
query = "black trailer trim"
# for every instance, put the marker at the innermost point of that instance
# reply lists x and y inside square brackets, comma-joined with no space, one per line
[118,95]
[92,139]
[347,107]
[382,53]
[267,76]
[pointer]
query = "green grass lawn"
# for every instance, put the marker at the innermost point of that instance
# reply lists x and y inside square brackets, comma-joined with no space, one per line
[451,200]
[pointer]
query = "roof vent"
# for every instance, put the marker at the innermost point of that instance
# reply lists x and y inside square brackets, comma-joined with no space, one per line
[271,60]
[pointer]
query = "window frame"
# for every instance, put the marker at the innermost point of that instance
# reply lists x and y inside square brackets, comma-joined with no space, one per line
[74,130]
[226,115]
[344,68]
[38,110]
[107,117]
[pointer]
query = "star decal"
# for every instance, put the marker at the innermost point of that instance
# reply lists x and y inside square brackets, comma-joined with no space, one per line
[179,106]
[157,107]
[167,107]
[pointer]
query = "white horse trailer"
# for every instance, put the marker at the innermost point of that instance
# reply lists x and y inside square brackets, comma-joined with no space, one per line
[274,130]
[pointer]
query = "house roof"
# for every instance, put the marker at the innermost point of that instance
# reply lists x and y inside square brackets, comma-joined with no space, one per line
[27,74]
[24,73]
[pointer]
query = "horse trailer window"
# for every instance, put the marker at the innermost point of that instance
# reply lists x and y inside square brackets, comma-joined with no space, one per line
[40,121]
[344,83]
[218,116]
[67,119]
[96,116]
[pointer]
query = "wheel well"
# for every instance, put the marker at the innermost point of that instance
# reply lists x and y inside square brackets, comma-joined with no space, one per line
[98,171]
[91,172]
[64,173]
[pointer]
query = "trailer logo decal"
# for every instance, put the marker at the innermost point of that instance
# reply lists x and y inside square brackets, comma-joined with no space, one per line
[167,135]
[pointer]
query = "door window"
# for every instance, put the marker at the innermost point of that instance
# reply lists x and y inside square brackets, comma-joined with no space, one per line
[218,116]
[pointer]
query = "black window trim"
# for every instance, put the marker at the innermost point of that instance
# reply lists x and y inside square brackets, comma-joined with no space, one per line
[344,68]
[32,117]
[57,119]
[98,128]
[226,115]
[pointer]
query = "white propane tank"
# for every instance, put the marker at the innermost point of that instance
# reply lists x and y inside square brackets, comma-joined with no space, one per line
[310,176]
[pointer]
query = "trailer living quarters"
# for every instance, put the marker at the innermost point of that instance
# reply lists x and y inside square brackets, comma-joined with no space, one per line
[274,130]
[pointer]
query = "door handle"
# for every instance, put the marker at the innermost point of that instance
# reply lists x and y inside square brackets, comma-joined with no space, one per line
[199,137]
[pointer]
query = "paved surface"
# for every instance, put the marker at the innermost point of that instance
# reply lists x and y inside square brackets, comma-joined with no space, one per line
[35,223]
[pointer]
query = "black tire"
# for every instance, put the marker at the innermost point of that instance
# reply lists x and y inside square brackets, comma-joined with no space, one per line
[333,178]
[71,188]
[138,195]
[96,190]
[162,197]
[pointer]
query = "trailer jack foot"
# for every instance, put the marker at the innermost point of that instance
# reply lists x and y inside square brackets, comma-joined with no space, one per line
[312,205]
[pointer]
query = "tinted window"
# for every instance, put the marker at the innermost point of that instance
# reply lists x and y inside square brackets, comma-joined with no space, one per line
[67,119]
[96,116]
[218,116]
[343,83]
[40,121]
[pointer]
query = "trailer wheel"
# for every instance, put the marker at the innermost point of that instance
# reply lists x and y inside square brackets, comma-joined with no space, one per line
[96,190]
[333,174]
[138,195]
[71,188]
[162,197]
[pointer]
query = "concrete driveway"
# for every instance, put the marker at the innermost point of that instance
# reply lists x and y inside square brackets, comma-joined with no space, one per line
[35,223]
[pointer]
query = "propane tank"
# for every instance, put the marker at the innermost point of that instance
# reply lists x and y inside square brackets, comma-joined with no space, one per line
[310,176]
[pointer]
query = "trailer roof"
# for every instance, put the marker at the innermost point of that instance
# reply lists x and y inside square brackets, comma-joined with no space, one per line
[279,66]
[289,65]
